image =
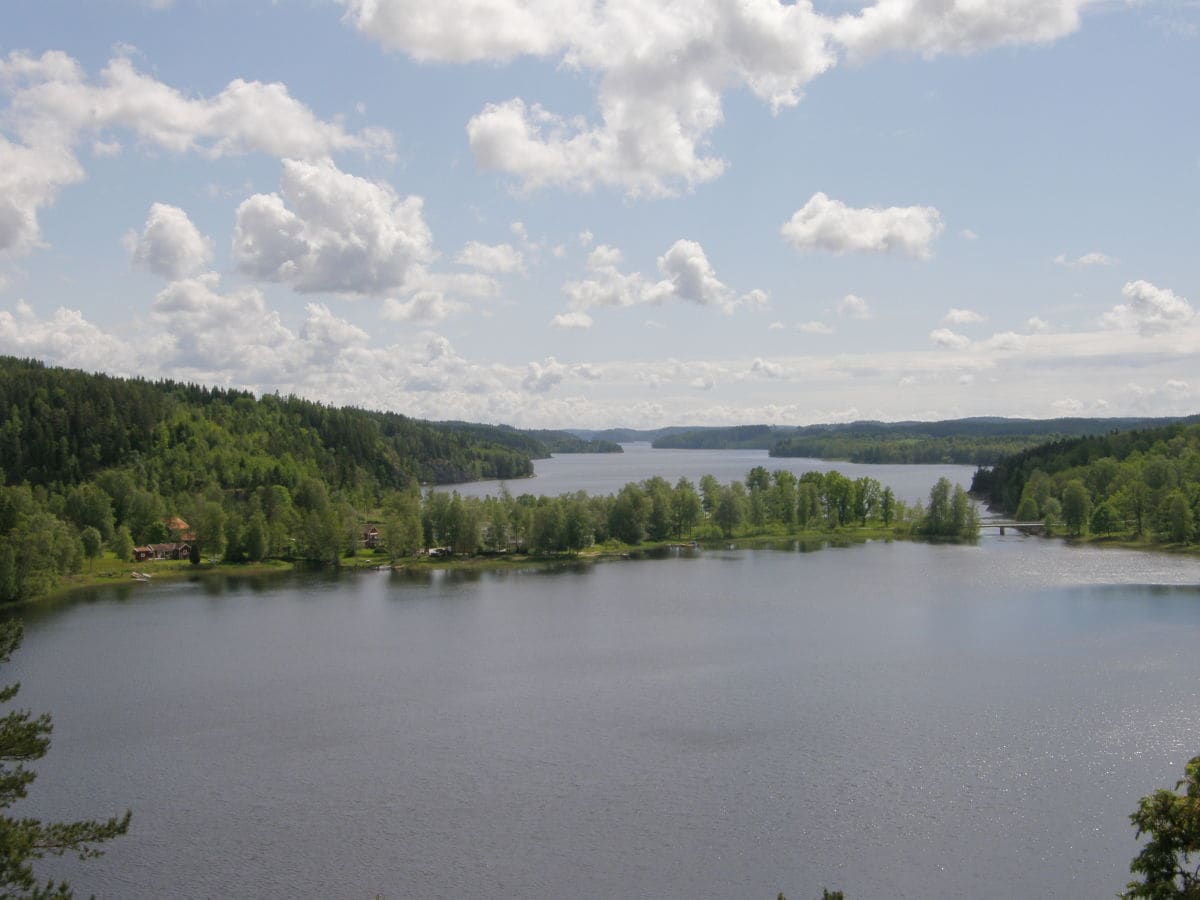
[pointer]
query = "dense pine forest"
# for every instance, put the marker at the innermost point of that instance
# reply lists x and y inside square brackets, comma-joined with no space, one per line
[85,454]
[973,441]
[1143,484]
[131,469]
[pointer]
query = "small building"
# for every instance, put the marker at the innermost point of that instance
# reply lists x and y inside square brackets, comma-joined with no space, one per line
[170,551]
[141,554]
[179,530]
[371,537]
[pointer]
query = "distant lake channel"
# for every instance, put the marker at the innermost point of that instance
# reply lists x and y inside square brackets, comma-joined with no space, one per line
[607,473]
[893,719]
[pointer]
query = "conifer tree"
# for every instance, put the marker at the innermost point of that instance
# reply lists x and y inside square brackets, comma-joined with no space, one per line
[23,738]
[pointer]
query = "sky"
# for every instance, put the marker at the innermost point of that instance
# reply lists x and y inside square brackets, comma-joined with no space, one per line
[579,213]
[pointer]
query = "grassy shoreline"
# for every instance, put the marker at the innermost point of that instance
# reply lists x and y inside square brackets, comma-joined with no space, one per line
[110,572]
[1123,542]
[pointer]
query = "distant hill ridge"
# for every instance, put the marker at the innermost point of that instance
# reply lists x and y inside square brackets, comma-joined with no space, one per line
[975,440]
[62,426]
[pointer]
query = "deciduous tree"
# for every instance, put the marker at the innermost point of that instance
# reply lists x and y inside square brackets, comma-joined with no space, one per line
[1169,864]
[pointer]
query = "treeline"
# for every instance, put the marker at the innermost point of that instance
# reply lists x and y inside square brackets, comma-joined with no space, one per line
[737,437]
[970,441]
[905,450]
[1144,484]
[766,503]
[46,534]
[91,461]
[62,427]
[535,443]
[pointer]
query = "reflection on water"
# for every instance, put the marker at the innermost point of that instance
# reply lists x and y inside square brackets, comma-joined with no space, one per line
[973,721]
[607,473]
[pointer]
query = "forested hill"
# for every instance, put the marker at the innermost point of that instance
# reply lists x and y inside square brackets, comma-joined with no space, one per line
[538,444]
[737,437]
[60,427]
[1144,482]
[977,441]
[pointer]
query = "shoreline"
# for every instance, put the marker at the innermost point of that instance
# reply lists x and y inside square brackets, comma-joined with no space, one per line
[111,573]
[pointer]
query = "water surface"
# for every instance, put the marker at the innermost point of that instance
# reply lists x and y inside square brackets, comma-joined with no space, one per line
[897,720]
[607,473]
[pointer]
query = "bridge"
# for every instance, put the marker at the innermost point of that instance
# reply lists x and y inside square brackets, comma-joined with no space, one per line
[1024,527]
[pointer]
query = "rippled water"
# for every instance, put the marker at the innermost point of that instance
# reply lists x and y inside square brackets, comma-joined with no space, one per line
[897,720]
[607,473]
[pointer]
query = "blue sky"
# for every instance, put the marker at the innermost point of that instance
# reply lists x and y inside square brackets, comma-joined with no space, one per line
[580,213]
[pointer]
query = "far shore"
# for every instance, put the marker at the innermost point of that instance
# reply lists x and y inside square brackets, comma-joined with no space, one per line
[110,572]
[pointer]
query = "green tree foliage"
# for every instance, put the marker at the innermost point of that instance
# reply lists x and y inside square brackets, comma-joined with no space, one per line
[731,509]
[87,505]
[24,738]
[257,538]
[67,427]
[1051,513]
[1169,865]
[1176,520]
[887,506]
[627,518]
[402,529]
[91,542]
[659,519]
[36,547]
[950,513]
[211,533]
[686,507]
[1142,482]
[808,503]
[309,517]
[737,436]
[578,528]
[783,498]
[982,442]
[1105,519]
[547,533]
[121,544]
[710,492]
[1076,506]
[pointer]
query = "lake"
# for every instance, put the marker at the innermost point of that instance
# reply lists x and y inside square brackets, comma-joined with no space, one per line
[607,473]
[891,719]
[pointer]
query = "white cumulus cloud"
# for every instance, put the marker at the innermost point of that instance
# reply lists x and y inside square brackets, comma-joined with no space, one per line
[53,106]
[827,224]
[542,377]
[956,316]
[661,70]
[328,231]
[932,27]
[169,245]
[422,306]
[1095,258]
[944,337]
[495,258]
[469,31]
[1148,310]
[686,273]
[65,338]
[661,73]
[854,307]
[573,319]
